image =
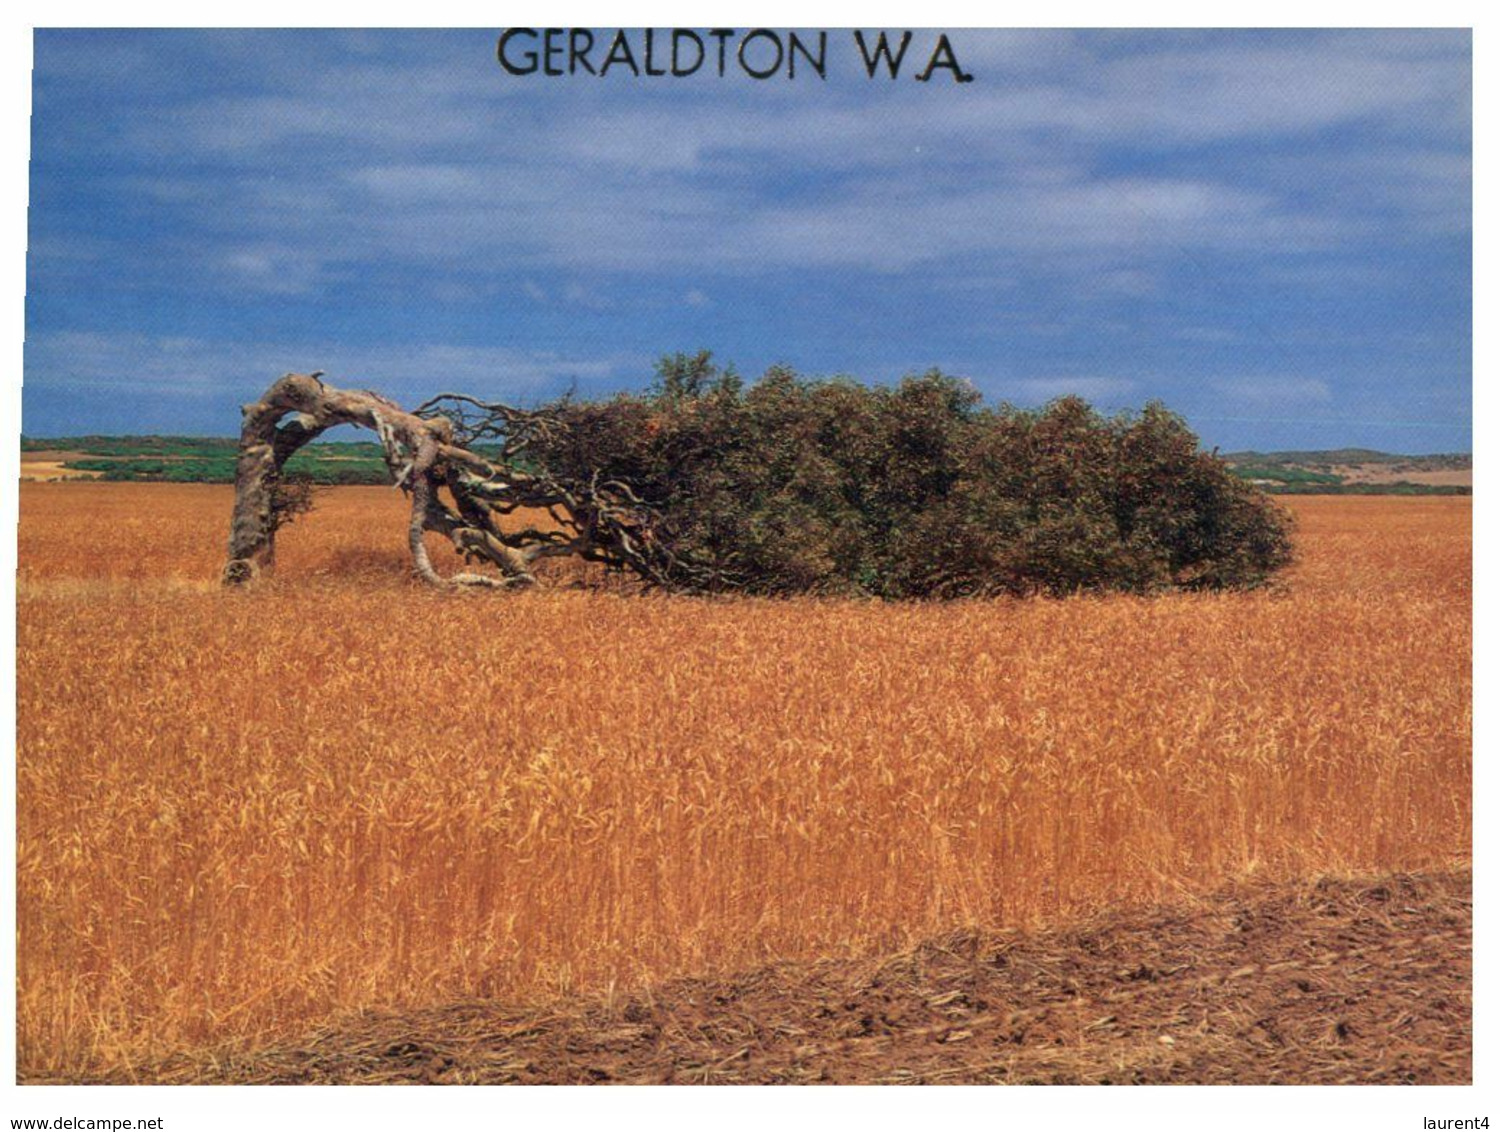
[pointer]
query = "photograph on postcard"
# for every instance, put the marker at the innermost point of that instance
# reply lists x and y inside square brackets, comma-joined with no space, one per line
[746,556]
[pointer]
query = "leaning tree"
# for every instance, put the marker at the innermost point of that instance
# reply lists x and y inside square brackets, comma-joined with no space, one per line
[786,486]
[598,520]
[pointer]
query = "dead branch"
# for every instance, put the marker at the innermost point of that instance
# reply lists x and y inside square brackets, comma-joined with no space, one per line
[426,451]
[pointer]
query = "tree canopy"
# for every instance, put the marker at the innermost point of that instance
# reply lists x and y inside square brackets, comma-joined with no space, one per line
[789,485]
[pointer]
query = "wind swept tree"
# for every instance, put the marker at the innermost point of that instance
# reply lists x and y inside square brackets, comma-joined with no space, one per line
[785,486]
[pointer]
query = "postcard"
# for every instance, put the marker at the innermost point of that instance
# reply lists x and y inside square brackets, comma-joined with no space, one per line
[746,556]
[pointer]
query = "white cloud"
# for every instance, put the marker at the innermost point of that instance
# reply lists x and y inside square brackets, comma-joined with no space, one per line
[1186,186]
[1207,335]
[1036,389]
[1274,392]
[579,295]
[273,271]
[411,160]
[90,364]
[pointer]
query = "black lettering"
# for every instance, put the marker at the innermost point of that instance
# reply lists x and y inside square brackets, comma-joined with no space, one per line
[650,52]
[721,34]
[818,63]
[745,47]
[944,59]
[529,56]
[580,55]
[882,51]
[552,46]
[619,52]
[678,37]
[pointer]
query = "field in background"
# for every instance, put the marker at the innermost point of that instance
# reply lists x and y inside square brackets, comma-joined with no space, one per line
[1356,471]
[239,814]
[189,459]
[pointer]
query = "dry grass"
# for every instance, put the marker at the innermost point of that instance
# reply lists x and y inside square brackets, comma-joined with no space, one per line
[1353,981]
[238,814]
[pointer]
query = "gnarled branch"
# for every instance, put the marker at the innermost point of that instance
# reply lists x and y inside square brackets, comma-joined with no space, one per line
[602,521]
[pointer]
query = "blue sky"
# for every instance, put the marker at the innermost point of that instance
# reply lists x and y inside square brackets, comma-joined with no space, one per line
[1270,231]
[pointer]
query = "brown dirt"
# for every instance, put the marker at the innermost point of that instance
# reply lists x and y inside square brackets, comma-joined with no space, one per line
[1327,982]
[1399,473]
[46,465]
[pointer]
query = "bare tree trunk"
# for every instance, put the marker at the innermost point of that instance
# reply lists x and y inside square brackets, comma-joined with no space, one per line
[416,449]
[600,520]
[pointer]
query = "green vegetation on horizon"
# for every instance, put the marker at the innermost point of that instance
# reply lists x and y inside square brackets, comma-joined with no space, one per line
[211,459]
[1313,472]
[220,469]
[95,445]
[1400,487]
[1268,474]
[1327,457]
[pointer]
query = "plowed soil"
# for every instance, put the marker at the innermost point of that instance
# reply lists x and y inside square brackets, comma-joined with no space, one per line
[1335,982]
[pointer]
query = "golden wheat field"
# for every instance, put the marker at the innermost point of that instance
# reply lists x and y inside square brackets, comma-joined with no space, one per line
[240,814]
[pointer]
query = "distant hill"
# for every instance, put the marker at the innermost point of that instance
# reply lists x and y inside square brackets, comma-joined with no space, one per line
[1346,456]
[1356,471]
[130,445]
[188,459]
[210,459]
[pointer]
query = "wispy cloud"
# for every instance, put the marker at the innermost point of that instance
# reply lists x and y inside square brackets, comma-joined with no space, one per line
[1173,194]
[90,365]
[635,183]
[1033,390]
[1272,392]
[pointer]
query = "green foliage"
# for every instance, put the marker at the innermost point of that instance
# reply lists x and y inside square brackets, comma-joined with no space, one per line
[291,498]
[797,486]
[315,467]
[1281,474]
[1334,457]
[172,446]
[680,376]
[322,464]
[1401,487]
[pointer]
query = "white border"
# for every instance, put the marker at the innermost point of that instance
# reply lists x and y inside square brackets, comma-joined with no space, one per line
[228,1109]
